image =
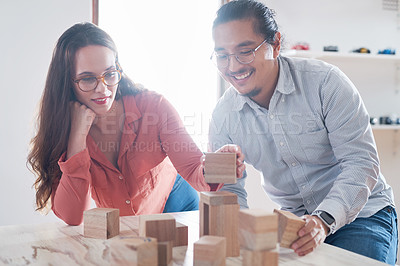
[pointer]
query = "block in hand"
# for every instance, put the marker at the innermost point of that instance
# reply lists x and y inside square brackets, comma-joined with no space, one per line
[258,229]
[210,251]
[220,167]
[102,223]
[289,225]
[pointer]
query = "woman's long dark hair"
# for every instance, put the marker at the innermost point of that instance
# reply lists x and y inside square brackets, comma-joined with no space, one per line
[53,121]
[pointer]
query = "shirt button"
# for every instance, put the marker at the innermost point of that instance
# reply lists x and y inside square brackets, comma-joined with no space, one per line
[120,177]
[293,164]
[308,202]
[303,187]
[283,100]
[128,202]
[271,116]
[281,143]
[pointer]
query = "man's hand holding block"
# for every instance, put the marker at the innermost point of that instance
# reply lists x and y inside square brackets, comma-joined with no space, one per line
[220,167]
[289,225]
[101,223]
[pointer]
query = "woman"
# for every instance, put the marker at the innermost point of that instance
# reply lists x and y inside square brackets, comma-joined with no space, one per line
[101,136]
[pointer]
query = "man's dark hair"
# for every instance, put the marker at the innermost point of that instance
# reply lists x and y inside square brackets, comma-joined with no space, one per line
[263,17]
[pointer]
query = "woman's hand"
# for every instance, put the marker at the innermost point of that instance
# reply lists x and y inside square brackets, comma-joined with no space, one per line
[81,120]
[240,167]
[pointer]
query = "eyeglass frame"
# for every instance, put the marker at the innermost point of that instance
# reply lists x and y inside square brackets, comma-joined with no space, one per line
[236,56]
[101,77]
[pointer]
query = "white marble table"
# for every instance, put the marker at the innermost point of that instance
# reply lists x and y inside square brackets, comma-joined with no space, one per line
[60,244]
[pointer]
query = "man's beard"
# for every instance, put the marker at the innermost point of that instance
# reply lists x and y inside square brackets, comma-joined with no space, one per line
[253,93]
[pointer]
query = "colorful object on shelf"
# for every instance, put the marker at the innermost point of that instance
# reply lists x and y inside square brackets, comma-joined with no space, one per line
[362,50]
[301,46]
[387,51]
[331,48]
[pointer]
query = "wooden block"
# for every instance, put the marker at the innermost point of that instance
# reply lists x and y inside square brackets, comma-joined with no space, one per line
[289,225]
[138,251]
[218,198]
[181,235]
[220,220]
[258,229]
[101,223]
[260,257]
[160,226]
[165,253]
[209,251]
[220,167]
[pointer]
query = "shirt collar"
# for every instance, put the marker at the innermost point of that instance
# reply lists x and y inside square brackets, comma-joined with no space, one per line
[132,112]
[285,84]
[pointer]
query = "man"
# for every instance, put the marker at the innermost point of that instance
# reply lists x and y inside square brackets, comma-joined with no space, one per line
[302,124]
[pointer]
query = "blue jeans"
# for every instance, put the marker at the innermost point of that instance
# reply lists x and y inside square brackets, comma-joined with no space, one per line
[183,197]
[375,237]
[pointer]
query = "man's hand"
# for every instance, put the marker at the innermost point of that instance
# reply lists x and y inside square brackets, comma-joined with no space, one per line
[311,235]
[240,167]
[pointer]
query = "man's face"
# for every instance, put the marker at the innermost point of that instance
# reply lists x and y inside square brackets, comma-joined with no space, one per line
[249,79]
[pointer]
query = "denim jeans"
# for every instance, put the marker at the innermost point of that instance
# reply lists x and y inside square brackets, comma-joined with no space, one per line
[183,197]
[375,237]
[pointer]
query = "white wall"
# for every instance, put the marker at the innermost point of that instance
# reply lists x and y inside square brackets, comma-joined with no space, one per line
[348,24]
[29,31]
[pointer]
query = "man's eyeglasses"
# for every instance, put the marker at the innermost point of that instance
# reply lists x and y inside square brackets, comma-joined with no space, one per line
[245,56]
[89,83]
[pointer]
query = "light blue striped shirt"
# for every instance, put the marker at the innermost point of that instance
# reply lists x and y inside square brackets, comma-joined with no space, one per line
[314,144]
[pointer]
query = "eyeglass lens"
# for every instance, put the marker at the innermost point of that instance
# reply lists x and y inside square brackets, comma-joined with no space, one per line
[244,57]
[90,83]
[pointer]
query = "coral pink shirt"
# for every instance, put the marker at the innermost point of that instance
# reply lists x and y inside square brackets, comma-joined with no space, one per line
[153,137]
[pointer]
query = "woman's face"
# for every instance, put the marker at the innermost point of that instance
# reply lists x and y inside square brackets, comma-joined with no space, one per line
[94,61]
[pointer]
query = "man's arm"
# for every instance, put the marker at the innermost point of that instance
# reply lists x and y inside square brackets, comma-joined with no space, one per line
[218,137]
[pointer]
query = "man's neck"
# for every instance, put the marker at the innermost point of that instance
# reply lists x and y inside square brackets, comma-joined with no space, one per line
[264,97]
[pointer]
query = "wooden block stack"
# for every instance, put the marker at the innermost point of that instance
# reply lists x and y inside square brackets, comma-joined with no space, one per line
[101,223]
[140,251]
[220,168]
[209,251]
[260,257]
[162,227]
[289,226]
[219,217]
[258,236]
[181,235]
